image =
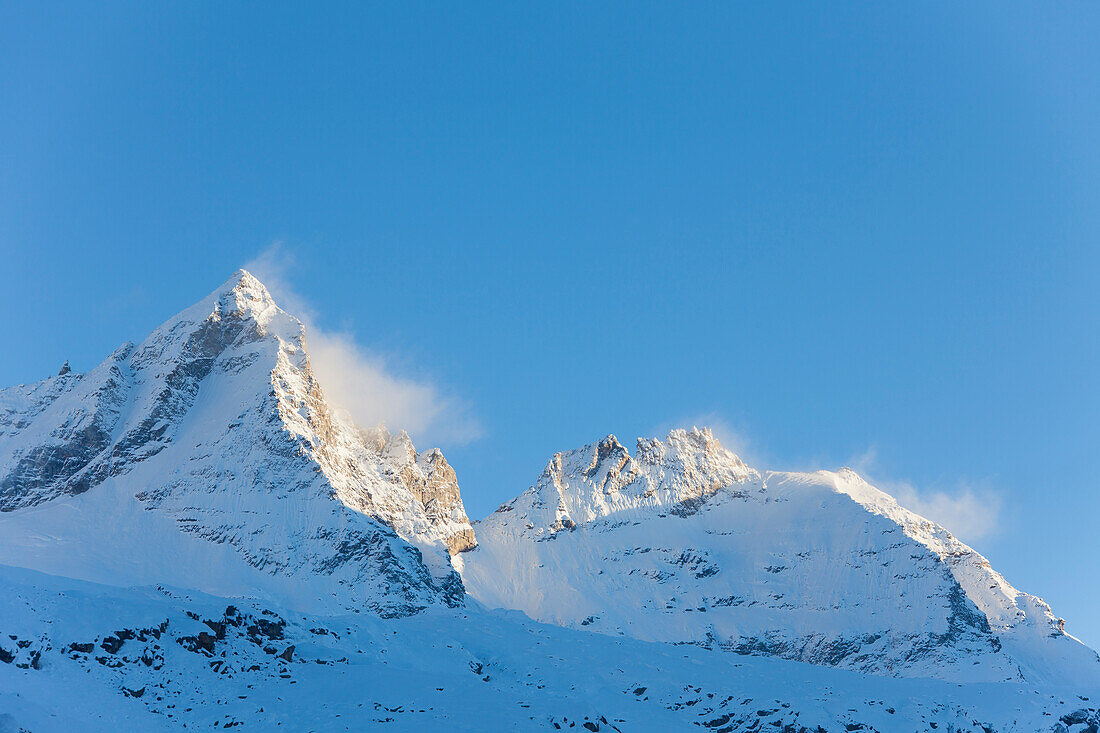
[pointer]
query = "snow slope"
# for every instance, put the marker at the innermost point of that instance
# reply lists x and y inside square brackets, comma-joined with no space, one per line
[97,658]
[681,542]
[206,457]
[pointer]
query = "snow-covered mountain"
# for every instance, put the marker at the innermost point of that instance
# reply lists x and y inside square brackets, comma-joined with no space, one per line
[206,457]
[682,542]
[191,536]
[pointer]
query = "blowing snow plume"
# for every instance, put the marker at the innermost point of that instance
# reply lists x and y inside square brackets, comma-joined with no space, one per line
[359,381]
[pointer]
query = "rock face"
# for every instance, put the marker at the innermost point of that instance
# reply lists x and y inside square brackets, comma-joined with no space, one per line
[683,543]
[432,483]
[209,452]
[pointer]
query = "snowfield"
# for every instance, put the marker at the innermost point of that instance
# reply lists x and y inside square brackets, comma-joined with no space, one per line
[191,538]
[90,657]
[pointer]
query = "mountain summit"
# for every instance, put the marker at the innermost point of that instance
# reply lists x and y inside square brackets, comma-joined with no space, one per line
[207,456]
[682,542]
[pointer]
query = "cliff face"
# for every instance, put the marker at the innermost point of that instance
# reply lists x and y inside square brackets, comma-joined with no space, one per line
[431,483]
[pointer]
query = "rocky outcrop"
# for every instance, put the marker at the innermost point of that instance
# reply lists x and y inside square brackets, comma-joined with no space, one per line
[603,479]
[432,482]
[56,435]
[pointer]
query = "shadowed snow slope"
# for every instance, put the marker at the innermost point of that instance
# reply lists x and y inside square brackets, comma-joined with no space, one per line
[682,542]
[85,657]
[206,457]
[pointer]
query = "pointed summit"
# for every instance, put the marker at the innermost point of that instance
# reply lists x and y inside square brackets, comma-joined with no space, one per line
[245,296]
[217,426]
[696,440]
[245,285]
[241,307]
[65,368]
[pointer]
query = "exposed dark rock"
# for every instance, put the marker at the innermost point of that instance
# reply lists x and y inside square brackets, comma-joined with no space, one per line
[262,628]
[111,644]
[218,627]
[203,642]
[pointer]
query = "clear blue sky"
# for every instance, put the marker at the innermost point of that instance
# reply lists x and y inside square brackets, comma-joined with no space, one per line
[837,231]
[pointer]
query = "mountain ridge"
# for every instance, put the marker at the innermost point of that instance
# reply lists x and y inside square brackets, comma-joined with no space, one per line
[192,516]
[683,543]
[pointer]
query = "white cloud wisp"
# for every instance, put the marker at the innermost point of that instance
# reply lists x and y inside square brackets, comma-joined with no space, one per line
[971,511]
[360,382]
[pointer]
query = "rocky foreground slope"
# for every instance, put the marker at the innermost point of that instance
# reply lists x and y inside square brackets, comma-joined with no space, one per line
[159,658]
[191,537]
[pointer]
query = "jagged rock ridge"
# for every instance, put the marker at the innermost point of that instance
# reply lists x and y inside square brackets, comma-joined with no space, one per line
[682,542]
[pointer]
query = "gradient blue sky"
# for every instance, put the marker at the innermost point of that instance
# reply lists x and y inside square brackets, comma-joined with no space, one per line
[863,234]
